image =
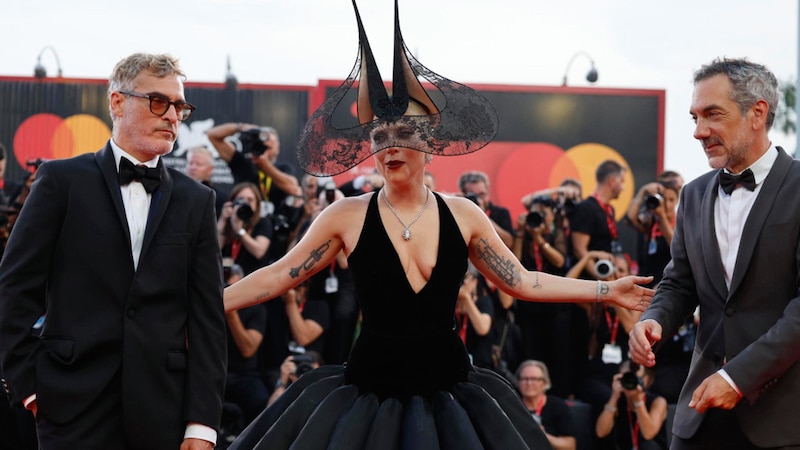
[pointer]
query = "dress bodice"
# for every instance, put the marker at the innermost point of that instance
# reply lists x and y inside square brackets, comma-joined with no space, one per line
[408,344]
[388,302]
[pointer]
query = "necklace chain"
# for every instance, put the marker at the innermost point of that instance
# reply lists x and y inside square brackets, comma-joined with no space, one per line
[406,228]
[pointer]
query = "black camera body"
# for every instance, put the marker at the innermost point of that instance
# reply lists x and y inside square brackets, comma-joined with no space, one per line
[473,197]
[243,210]
[630,381]
[253,141]
[302,364]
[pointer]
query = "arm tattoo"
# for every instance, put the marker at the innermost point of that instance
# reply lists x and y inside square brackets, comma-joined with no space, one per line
[313,257]
[263,296]
[537,285]
[603,290]
[504,268]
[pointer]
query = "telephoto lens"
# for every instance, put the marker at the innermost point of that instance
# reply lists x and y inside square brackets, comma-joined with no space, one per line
[603,268]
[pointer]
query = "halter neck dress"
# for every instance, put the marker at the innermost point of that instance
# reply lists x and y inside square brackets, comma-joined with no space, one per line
[408,383]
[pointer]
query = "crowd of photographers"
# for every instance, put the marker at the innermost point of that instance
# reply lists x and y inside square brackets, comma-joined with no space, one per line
[552,352]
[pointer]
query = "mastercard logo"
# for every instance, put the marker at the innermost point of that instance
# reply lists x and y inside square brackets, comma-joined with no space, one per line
[48,136]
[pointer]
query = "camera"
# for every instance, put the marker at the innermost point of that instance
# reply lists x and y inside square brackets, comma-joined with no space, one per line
[253,141]
[330,192]
[243,210]
[35,163]
[302,364]
[534,219]
[472,196]
[629,380]
[653,201]
[604,268]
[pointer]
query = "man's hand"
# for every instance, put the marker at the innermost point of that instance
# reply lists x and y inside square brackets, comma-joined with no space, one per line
[196,444]
[641,340]
[714,392]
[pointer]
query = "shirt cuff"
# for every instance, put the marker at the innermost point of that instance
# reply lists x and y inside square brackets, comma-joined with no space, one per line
[728,378]
[200,431]
[28,401]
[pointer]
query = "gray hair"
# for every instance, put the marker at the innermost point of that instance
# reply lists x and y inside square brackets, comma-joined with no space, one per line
[542,366]
[472,177]
[750,83]
[273,132]
[201,150]
[130,67]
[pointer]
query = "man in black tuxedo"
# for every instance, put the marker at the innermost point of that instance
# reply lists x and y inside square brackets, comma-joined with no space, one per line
[120,256]
[736,254]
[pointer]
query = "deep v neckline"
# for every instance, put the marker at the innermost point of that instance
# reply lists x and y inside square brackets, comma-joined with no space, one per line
[397,254]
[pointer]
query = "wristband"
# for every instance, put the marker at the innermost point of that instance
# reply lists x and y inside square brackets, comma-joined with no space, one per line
[638,404]
[610,408]
[242,232]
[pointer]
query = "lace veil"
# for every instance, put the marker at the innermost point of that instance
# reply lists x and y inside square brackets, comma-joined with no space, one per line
[458,119]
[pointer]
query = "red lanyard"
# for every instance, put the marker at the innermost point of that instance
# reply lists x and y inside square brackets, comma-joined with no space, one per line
[540,406]
[612,327]
[609,210]
[236,246]
[537,255]
[462,332]
[634,429]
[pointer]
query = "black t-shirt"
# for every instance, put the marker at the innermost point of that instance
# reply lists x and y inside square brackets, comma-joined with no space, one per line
[501,216]
[479,347]
[243,169]
[590,218]
[556,418]
[317,310]
[244,258]
[253,318]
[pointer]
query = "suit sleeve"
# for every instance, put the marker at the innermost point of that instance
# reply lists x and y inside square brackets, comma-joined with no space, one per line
[23,279]
[206,327]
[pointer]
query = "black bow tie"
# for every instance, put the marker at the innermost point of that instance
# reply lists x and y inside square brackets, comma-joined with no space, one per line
[148,176]
[729,182]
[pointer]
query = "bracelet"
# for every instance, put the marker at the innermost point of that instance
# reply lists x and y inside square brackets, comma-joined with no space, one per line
[638,404]
[242,232]
[610,408]
[597,295]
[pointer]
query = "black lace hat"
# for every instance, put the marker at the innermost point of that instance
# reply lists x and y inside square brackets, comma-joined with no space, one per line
[457,120]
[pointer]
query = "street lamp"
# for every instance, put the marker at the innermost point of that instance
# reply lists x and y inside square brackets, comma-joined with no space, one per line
[230,79]
[39,71]
[591,75]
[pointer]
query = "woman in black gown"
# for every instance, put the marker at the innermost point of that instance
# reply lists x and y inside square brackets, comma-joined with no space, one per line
[408,382]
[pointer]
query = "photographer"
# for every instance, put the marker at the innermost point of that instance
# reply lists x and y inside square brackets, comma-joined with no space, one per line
[257,163]
[545,327]
[292,368]
[632,415]
[474,316]
[244,236]
[604,340]
[652,214]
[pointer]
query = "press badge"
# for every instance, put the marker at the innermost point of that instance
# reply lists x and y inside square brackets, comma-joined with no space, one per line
[331,284]
[652,248]
[612,354]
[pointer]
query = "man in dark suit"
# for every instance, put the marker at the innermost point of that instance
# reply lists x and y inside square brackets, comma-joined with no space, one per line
[120,256]
[736,254]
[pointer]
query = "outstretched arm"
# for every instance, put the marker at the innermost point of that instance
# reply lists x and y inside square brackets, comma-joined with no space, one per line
[492,258]
[313,252]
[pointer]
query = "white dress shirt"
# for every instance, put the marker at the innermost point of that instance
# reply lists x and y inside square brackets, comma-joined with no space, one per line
[730,214]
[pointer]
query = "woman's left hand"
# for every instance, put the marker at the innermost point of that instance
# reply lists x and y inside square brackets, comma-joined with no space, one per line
[627,292]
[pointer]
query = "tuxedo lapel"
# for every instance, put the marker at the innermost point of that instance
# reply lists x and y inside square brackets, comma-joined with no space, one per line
[758,216]
[108,167]
[158,206]
[710,246]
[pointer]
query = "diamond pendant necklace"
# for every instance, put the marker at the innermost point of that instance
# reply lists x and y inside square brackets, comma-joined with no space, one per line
[406,231]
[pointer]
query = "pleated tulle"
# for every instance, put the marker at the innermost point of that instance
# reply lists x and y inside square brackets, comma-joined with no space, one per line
[320,411]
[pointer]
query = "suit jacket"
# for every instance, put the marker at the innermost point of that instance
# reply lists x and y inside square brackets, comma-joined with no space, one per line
[159,329]
[753,328]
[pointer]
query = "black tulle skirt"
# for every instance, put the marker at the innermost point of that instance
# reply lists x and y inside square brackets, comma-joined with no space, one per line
[323,411]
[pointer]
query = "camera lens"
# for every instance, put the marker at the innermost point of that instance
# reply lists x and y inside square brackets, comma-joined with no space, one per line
[534,219]
[653,201]
[473,197]
[243,210]
[604,268]
[629,381]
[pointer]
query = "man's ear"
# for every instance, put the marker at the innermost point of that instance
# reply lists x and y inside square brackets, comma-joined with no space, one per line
[760,111]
